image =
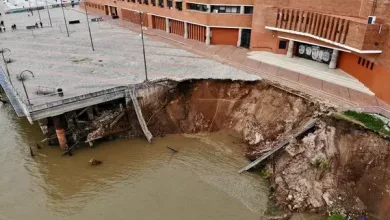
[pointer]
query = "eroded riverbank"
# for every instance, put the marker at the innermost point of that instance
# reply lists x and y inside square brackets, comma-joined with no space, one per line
[327,169]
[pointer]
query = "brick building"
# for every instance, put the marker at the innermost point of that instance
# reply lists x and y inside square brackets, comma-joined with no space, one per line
[352,35]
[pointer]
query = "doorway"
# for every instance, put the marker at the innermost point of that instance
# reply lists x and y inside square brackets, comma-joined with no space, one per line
[245,38]
[106,10]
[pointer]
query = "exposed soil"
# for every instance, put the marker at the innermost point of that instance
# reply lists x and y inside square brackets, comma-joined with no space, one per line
[338,167]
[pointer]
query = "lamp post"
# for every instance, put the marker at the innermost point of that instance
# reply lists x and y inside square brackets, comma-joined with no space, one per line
[143,43]
[36,7]
[48,13]
[5,62]
[63,13]
[89,28]
[29,3]
[21,78]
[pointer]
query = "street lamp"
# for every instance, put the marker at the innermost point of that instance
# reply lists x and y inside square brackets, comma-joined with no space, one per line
[36,7]
[143,44]
[29,3]
[63,13]
[48,13]
[89,28]
[5,62]
[21,78]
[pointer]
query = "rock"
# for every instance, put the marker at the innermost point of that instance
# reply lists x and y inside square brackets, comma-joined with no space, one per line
[327,198]
[95,162]
[279,217]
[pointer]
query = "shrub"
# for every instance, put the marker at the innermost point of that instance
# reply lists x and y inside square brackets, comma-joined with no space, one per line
[336,217]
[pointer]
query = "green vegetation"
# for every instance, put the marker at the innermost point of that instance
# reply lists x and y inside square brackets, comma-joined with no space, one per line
[322,165]
[336,217]
[263,173]
[369,121]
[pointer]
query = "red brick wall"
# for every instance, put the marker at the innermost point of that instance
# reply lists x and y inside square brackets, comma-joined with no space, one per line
[377,80]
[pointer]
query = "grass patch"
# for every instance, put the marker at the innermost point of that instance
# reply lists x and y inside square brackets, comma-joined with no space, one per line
[322,165]
[369,121]
[336,217]
[263,173]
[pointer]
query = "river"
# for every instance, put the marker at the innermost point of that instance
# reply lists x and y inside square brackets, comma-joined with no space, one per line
[137,180]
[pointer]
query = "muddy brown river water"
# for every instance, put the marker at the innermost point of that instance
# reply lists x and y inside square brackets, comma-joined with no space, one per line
[136,180]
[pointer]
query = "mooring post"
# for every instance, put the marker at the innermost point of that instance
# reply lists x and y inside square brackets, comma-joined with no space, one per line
[60,131]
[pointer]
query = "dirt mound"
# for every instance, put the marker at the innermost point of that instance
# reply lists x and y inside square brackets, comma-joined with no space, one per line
[338,168]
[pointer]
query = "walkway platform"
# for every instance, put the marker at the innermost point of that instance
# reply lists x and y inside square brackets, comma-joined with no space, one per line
[91,77]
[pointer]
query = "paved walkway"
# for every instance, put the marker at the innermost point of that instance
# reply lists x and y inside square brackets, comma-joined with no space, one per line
[238,57]
[311,68]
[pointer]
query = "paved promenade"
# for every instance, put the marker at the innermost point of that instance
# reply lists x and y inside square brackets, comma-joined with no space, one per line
[59,61]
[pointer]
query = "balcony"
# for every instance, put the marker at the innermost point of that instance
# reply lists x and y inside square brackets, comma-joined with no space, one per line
[349,33]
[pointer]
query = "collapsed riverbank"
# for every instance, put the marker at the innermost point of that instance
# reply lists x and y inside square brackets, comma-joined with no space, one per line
[337,167]
[330,169]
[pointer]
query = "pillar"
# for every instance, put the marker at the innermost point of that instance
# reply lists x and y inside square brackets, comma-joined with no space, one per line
[242,9]
[208,8]
[290,48]
[60,131]
[185,30]
[167,25]
[333,60]
[90,113]
[208,35]
[239,37]
[43,124]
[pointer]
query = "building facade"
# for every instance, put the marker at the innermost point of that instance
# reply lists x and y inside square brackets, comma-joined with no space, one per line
[352,35]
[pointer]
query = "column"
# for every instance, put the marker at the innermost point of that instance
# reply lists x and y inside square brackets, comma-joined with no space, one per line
[185,30]
[242,9]
[239,37]
[60,131]
[333,60]
[90,113]
[208,8]
[208,35]
[290,48]
[43,124]
[167,25]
